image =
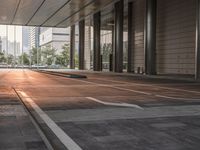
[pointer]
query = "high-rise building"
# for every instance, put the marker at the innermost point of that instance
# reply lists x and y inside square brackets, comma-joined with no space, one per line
[10,40]
[3,44]
[34,33]
[54,37]
[14,48]
[25,39]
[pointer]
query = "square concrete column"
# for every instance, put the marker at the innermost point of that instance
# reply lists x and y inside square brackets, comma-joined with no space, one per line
[96,44]
[81,44]
[130,35]
[72,47]
[150,37]
[119,17]
[197,50]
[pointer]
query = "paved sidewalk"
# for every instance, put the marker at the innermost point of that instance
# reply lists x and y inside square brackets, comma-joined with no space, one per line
[16,129]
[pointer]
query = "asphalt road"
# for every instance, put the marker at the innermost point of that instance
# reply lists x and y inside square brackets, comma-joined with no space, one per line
[110,112]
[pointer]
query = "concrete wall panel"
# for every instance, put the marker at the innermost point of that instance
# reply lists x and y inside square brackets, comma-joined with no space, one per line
[138,35]
[176,36]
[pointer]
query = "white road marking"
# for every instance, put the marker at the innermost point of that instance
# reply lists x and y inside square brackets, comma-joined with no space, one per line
[62,136]
[156,95]
[136,91]
[157,86]
[114,104]
[177,98]
[141,92]
[112,86]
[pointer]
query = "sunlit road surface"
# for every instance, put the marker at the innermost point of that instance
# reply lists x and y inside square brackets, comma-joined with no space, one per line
[110,112]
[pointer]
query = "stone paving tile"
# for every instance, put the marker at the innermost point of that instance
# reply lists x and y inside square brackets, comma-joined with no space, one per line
[56,143]
[16,129]
[81,136]
[35,145]
[26,127]
[170,133]
[66,103]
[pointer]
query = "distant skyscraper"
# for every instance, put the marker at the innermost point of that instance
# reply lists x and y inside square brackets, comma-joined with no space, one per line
[14,48]
[10,41]
[34,33]
[25,39]
[4,40]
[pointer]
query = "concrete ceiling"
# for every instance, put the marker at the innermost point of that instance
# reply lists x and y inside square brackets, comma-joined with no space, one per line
[48,13]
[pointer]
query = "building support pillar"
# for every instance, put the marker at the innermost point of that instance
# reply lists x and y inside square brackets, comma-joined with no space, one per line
[130,35]
[72,47]
[197,49]
[119,16]
[81,44]
[112,59]
[97,49]
[150,37]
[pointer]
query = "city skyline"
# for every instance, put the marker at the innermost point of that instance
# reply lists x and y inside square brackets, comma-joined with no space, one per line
[27,36]
[11,32]
[11,37]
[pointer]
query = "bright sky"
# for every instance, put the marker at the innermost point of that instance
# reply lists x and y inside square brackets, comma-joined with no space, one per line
[11,32]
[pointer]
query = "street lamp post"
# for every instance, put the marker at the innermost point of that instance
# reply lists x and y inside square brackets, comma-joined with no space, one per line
[15,46]
[22,51]
[7,44]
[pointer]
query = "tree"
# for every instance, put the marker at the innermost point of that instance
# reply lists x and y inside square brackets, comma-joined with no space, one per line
[2,57]
[60,60]
[63,58]
[24,59]
[35,55]
[48,54]
[76,58]
[10,59]
[66,54]
[107,50]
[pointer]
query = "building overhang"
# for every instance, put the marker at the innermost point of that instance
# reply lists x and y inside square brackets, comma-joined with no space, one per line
[48,13]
